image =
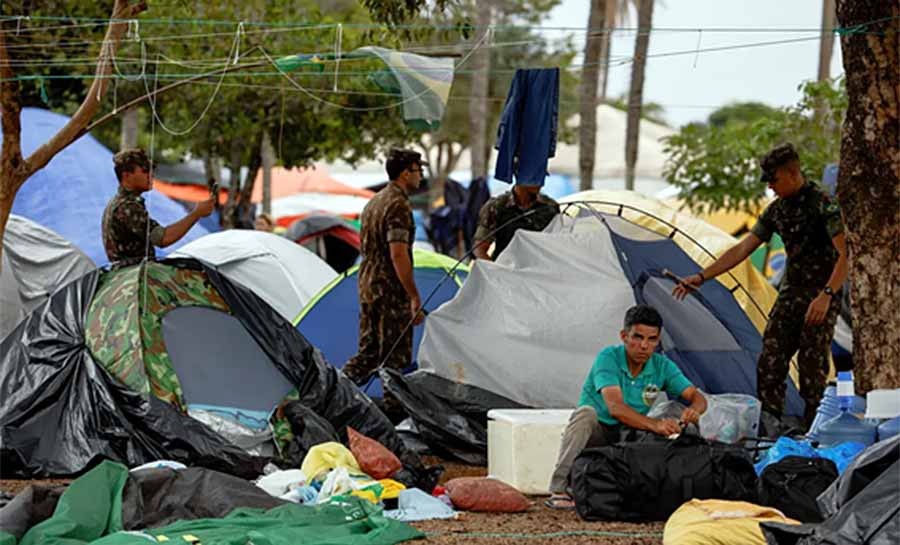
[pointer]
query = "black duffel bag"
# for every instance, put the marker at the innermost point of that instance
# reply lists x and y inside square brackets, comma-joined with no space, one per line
[648,481]
[793,483]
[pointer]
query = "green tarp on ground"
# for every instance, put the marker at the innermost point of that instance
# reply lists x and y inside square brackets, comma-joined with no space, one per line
[90,512]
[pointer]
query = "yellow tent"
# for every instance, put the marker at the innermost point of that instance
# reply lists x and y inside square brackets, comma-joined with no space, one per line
[692,235]
[733,222]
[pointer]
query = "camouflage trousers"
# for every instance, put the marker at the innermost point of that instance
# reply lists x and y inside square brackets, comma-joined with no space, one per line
[382,338]
[787,334]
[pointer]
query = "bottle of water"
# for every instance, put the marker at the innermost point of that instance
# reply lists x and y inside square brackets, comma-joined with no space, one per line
[845,390]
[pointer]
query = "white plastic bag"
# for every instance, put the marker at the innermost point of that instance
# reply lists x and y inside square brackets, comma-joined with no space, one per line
[730,417]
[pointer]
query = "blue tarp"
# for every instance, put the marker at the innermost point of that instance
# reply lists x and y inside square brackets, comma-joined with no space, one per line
[332,322]
[70,193]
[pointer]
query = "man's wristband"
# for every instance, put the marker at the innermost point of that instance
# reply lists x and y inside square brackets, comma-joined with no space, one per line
[702,278]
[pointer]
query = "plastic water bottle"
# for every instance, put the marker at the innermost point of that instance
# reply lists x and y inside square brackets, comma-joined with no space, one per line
[845,390]
[830,407]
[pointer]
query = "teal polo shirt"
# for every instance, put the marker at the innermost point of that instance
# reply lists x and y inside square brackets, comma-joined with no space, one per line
[660,374]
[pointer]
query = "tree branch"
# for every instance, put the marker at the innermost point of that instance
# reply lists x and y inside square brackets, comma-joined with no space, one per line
[73,129]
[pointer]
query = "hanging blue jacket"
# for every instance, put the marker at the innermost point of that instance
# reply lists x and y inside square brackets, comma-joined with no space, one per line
[526,137]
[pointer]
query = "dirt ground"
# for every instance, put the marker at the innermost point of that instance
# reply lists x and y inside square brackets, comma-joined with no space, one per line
[537,526]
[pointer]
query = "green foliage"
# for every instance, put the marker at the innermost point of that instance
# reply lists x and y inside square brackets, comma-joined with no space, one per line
[717,166]
[651,111]
[740,112]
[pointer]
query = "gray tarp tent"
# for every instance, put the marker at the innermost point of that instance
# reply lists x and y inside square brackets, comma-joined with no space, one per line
[36,262]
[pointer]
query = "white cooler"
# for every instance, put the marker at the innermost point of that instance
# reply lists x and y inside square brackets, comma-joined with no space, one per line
[523,445]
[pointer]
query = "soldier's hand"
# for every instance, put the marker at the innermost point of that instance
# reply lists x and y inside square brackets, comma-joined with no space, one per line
[205,208]
[417,314]
[817,310]
[689,284]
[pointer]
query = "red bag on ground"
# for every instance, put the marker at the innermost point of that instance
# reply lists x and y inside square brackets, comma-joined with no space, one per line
[486,495]
[373,458]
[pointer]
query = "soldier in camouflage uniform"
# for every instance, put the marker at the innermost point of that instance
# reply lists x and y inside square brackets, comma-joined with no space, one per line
[388,297]
[525,207]
[129,233]
[803,317]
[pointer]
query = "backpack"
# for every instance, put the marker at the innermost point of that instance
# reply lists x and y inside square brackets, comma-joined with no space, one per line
[648,481]
[792,485]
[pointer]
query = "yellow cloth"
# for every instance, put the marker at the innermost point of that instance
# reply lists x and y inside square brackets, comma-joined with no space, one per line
[323,458]
[366,494]
[392,489]
[720,522]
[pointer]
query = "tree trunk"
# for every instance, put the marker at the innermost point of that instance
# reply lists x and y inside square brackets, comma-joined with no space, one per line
[267,152]
[14,169]
[869,187]
[245,201]
[609,22]
[587,129]
[234,186]
[478,104]
[826,44]
[129,137]
[636,93]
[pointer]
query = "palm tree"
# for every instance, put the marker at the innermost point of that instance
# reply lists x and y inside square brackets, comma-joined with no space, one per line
[478,107]
[636,93]
[826,45]
[603,15]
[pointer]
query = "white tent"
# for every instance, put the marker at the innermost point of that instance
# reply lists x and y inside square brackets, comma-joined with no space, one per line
[609,158]
[284,274]
[36,262]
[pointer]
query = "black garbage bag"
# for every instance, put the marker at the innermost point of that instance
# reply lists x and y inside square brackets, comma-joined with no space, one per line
[649,480]
[451,418]
[859,507]
[793,483]
[61,412]
[309,430]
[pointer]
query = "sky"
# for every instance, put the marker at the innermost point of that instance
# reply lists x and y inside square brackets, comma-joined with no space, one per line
[691,86]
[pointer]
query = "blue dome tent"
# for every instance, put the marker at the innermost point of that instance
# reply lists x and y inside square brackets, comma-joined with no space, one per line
[330,321]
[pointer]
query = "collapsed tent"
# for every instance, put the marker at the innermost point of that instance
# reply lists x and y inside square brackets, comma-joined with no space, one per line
[70,193]
[562,295]
[281,273]
[331,320]
[330,237]
[193,505]
[109,366]
[35,263]
[860,507]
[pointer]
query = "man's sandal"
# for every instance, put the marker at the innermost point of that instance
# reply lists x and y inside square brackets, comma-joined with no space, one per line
[560,502]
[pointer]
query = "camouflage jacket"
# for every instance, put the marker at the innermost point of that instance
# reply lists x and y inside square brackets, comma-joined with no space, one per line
[127,229]
[503,210]
[806,222]
[386,218]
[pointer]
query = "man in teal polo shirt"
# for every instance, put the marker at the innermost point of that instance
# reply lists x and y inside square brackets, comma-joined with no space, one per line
[620,389]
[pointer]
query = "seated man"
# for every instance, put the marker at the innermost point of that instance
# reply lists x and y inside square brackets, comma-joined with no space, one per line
[619,391]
